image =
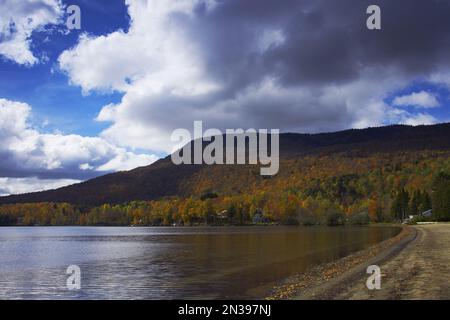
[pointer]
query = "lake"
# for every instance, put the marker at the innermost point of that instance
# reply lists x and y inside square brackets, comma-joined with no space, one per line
[168,263]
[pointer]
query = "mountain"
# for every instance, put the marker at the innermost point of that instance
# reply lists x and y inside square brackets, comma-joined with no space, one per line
[164,179]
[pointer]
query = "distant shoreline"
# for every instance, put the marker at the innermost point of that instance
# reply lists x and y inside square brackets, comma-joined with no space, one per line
[205,226]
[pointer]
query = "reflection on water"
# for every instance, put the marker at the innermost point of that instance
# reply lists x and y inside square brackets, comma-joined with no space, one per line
[167,263]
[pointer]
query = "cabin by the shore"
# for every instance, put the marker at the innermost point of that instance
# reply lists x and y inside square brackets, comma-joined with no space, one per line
[425,214]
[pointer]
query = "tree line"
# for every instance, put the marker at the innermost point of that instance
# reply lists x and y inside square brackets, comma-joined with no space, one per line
[237,210]
[317,190]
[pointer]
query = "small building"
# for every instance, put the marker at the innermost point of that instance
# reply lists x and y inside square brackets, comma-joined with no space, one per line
[259,217]
[222,216]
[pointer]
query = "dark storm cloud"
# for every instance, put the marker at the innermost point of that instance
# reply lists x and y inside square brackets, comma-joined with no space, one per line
[325,41]
[13,167]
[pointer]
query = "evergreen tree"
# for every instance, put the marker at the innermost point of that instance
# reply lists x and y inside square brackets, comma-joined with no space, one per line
[400,206]
[425,202]
[415,202]
[441,197]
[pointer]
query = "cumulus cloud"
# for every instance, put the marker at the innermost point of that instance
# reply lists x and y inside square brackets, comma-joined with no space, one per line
[420,99]
[25,185]
[153,52]
[18,20]
[26,152]
[420,119]
[304,65]
[404,117]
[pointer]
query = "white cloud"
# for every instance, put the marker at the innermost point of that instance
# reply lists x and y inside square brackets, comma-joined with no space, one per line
[18,20]
[153,55]
[151,62]
[420,99]
[127,161]
[421,119]
[10,186]
[401,116]
[25,150]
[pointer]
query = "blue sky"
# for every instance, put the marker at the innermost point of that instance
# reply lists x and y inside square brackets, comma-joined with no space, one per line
[47,89]
[78,104]
[441,113]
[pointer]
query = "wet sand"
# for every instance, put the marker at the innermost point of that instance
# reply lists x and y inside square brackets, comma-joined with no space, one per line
[414,265]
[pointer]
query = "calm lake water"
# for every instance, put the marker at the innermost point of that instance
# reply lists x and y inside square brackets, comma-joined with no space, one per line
[167,263]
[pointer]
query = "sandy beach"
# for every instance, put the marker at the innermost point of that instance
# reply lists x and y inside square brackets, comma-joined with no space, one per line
[414,265]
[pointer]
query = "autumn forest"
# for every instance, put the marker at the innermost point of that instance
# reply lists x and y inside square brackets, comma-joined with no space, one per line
[361,184]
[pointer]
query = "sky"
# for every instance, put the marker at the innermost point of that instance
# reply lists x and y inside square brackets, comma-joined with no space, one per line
[75,104]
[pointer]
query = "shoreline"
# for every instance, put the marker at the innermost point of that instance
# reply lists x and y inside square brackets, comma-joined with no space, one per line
[414,265]
[317,282]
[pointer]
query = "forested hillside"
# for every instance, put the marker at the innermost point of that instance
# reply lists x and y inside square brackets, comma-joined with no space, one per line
[377,173]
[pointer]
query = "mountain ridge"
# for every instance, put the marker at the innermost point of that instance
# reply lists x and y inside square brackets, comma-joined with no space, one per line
[164,179]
